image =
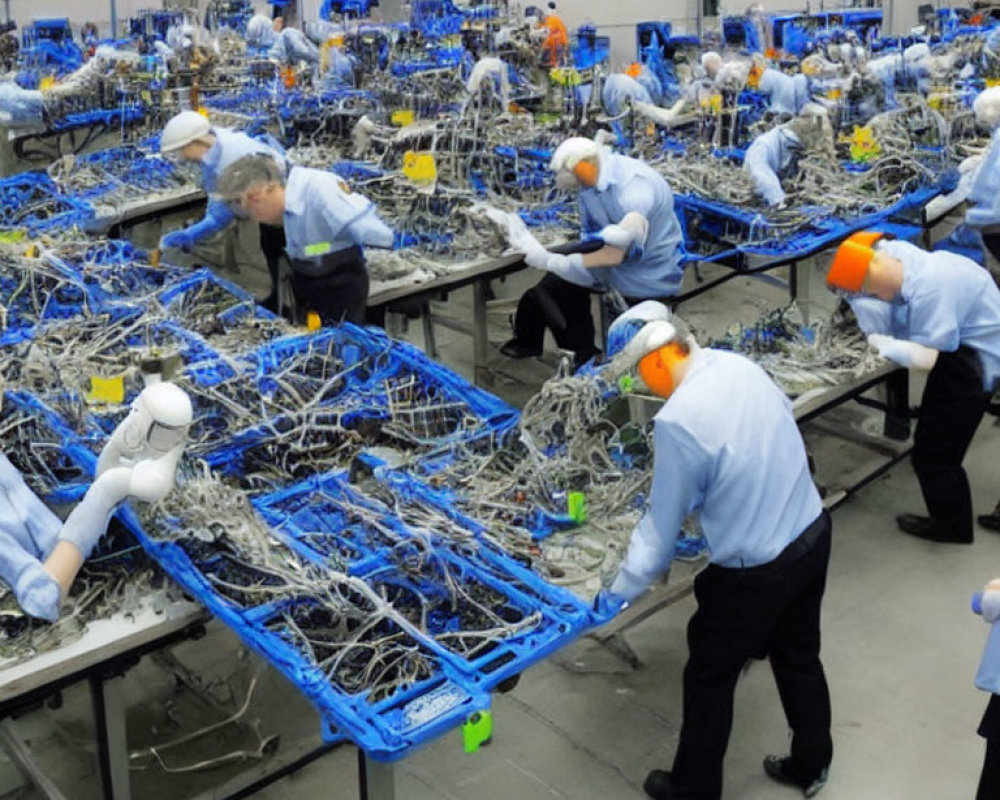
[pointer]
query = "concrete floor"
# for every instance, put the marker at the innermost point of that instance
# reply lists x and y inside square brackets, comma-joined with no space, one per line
[900,648]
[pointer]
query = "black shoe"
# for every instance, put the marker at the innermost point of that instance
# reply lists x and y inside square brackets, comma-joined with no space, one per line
[581,357]
[658,785]
[991,521]
[515,348]
[927,528]
[780,768]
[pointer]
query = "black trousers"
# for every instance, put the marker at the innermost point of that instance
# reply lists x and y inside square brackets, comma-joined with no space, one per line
[772,609]
[339,296]
[951,409]
[989,729]
[562,306]
[272,243]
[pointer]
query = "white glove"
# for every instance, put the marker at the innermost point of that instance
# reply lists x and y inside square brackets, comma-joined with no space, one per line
[88,521]
[519,237]
[970,164]
[991,601]
[906,354]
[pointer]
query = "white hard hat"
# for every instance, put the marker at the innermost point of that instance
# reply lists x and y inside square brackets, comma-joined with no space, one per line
[572,152]
[987,107]
[182,129]
[652,336]
[711,62]
[167,404]
[627,325]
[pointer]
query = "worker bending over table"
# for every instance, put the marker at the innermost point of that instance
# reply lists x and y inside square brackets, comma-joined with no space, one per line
[629,208]
[769,540]
[191,136]
[938,312]
[326,227]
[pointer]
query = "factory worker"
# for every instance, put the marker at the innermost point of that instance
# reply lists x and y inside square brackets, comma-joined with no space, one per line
[621,91]
[193,138]
[291,47]
[491,72]
[326,226]
[774,155]
[39,555]
[786,94]
[988,679]
[769,540]
[260,32]
[913,303]
[711,62]
[982,215]
[336,64]
[626,205]
[555,46]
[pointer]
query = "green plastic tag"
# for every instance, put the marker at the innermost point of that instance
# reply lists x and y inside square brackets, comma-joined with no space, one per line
[318,249]
[576,506]
[477,731]
[626,383]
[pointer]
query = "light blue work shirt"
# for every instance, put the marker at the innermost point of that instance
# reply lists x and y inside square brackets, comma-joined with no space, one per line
[984,194]
[24,518]
[786,93]
[946,301]
[229,146]
[292,46]
[725,445]
[885,69]
[626,184]
[323,216]
[769,159]
[619,89]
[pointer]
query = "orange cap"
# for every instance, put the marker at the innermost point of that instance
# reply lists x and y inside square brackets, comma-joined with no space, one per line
[850,263]
[634,70]
[753,79]
[657,368]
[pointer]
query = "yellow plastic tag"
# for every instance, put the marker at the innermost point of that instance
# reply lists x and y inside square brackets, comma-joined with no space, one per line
[419,167]
[47,82]
[313,322]
[107,390]
[403,117]
[203,111]
[864,146]
[11,237]
[992,82]
[565,76]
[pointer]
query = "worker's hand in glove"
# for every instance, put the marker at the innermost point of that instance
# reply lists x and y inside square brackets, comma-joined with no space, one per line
[990,601]
[181,240]
[607,605]
[970,164]
[519,237]
[906,354]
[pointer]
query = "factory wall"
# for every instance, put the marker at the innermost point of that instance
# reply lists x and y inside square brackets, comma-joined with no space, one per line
[618,24]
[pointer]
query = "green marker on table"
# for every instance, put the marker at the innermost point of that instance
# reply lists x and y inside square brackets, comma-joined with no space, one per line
[576,506]
[477,731]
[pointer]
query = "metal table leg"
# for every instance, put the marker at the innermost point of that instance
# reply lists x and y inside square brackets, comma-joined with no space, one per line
[376,780]
[112,744]
[480,342]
